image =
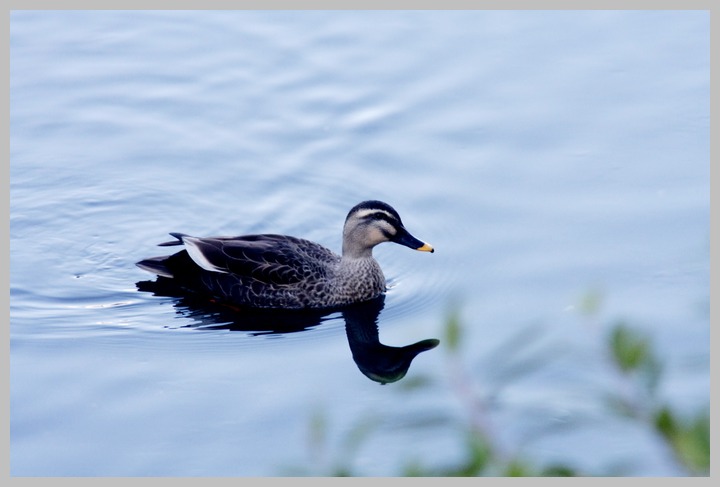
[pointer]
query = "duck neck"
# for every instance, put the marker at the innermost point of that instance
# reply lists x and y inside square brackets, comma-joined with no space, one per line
[354,252]
[353,246]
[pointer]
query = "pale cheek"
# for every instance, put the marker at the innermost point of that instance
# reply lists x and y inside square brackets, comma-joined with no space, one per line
[377,236]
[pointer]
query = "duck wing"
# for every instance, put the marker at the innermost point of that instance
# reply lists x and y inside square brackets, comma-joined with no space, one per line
[268,258]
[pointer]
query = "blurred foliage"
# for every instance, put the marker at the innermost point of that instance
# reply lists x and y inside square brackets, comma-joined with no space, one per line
[591,302]
[688,438]
[631,353]
[453,330]
[482,459]
[630,350]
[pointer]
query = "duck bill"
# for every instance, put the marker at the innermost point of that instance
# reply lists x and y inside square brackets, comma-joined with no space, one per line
[403,237]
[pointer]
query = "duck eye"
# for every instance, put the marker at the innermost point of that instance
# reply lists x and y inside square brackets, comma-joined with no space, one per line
[388,235]
[387,228]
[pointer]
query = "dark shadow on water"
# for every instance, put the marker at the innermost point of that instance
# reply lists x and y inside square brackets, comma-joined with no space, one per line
[379,362]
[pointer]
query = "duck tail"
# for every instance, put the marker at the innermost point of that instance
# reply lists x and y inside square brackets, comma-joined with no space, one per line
[179,241]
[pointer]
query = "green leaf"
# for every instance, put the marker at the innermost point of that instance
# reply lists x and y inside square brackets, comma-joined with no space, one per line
[517,469]
[694,445]
[690,441]
[666,423]
[453,330]
[630,350]
[480,455]
[558,471]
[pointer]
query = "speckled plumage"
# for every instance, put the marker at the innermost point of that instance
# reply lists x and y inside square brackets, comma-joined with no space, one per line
[280,271]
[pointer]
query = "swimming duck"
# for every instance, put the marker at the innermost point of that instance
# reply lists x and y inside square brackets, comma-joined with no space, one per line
[280,271]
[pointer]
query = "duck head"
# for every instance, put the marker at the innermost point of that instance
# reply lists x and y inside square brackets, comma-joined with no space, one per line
[372,222]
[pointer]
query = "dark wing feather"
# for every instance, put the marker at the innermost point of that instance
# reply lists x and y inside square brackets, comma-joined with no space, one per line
[272,259]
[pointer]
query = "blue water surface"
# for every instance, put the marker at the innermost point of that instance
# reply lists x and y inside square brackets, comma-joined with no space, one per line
[547,156]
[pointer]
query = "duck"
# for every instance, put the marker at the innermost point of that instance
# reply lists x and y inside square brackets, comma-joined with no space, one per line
[272,271]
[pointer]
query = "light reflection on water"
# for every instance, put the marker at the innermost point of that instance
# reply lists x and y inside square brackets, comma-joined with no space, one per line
[538,152]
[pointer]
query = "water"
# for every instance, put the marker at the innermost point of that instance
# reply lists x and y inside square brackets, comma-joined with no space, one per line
[545,155]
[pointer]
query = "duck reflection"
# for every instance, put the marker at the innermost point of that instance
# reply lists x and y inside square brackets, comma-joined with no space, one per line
[380,363]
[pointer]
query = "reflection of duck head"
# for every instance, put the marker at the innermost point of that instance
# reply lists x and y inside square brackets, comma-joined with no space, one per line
[381,363]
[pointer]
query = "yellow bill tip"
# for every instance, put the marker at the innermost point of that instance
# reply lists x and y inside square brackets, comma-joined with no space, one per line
[426,248]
